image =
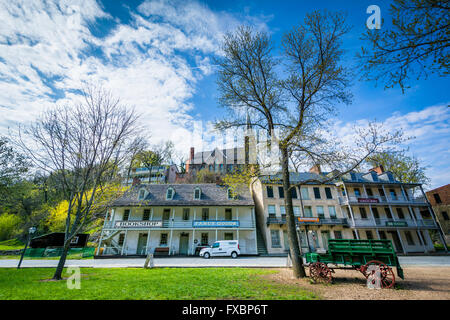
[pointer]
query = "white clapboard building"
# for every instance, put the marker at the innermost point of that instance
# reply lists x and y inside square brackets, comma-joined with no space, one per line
[177,219]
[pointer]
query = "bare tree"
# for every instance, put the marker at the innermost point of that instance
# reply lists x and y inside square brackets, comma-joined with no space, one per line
[416,45]
[85,144]
[294,94]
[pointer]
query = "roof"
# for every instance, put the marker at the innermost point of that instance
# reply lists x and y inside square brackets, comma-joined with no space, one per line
[353,177]
[295,178]
[211,195]
[225,156]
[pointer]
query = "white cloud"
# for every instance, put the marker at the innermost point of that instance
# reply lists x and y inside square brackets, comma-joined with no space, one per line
[153,63]
[431,129]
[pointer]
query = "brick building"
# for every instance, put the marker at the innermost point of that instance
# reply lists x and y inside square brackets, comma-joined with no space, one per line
[439,198]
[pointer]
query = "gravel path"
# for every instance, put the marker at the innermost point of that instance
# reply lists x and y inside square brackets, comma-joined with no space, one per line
[422,283]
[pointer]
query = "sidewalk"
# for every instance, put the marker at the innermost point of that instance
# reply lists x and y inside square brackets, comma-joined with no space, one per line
[246,262]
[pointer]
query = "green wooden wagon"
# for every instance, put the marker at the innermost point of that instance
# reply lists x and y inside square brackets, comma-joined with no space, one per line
[355,255]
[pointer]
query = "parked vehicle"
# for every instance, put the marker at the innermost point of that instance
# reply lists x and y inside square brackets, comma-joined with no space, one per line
[221,249]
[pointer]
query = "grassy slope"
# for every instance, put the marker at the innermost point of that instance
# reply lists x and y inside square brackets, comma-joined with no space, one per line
[12,244]
[159,283]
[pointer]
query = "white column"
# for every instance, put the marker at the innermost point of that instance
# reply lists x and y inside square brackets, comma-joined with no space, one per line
[124,242]
[422,241]
[193,244]
[401,241]
[148,240]
[170,241]
[151,215]
[217,211]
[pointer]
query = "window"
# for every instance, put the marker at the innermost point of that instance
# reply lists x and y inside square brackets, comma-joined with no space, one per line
[393,194]
[281,192]
[357,192]
[363,213]
[316,193]
[305,193]
[282,210]
[369,235]
[163,239]
[230,194]
[375,213]
[409,238]
[388,213]
[400,213]
[308,211]
[275,236]
[382,235]
[294,193]
[320,212]
[297,211]
[141,194]
[146,215]
[269,191]
[197,193]
[228,236]
[444,215]
[381,192]
[437,198]
[338,234]
[204,239]
[216,245]
[186,213]
[121,239]
[228,215]
[328,193]
[271,209]
[332,212]
[205,214]
[170,193]
[126,214]
[369,192]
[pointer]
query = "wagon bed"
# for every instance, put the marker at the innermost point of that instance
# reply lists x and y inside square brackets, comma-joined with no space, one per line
[357,255]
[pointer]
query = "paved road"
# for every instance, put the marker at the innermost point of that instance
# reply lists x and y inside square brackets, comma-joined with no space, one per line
[261,262]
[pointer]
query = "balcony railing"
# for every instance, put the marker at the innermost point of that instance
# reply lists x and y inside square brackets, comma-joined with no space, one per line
[379,199]
[400,223]
[321,221]
[178,224]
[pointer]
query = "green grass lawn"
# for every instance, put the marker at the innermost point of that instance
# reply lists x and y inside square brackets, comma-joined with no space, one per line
[12,244]
[158,283]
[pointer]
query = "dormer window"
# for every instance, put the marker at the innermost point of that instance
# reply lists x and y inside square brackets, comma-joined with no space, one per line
[141,195]
[170,193]
[197,193]
[230,194]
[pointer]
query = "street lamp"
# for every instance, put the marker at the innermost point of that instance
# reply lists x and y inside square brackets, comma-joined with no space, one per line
[31,230]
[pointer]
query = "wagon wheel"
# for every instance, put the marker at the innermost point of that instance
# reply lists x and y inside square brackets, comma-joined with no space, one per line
[319,272]
[387,274]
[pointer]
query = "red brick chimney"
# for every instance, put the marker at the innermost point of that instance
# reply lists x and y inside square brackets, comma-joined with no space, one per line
[192,154]
[315,169]
[136,181]
[378,170]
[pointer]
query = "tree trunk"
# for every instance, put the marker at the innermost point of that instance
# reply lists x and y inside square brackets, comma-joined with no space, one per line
[297,261]
[62,262]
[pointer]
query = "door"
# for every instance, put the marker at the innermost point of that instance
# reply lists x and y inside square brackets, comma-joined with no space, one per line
[397,244]
[166,217]
[216,249]
[286,240]
[184,244]
[312,237]
[142,243]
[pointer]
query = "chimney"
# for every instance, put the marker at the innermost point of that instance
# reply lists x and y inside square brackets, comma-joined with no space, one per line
[378,170]
[315,169]
[136,181]
[192,154]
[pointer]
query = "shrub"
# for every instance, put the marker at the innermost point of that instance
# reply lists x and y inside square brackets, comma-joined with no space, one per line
[9,226]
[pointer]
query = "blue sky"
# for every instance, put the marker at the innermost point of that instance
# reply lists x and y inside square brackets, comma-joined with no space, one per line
[157,56]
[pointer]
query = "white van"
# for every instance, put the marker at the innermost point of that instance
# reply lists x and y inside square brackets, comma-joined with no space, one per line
[228,248]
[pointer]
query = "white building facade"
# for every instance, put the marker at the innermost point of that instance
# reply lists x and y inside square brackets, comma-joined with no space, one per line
[178,220]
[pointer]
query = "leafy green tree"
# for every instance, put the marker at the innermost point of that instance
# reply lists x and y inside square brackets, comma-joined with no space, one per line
[417,44]
[9,226]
